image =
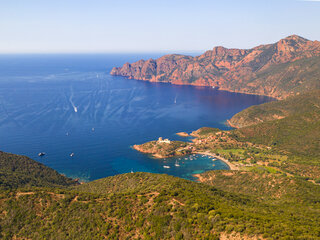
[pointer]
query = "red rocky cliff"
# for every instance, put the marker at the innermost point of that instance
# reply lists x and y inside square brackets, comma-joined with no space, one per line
[239,70]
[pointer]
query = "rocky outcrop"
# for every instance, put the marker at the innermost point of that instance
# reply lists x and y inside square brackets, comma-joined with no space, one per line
[182,134]
[238,70]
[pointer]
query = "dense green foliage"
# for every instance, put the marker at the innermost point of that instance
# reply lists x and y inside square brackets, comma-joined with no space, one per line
[21,171]
[296,135]
[149,206]
[265,184]
[296,105]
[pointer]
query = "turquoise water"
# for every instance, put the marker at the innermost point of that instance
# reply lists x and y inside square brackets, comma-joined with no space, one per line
[187,166]
[63,104]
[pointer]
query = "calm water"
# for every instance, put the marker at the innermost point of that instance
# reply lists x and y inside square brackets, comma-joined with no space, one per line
[61,104]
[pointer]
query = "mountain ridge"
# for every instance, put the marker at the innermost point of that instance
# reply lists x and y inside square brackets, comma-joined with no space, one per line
[231,69]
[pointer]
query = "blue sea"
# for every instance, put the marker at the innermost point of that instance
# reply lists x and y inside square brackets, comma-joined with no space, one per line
[62,104]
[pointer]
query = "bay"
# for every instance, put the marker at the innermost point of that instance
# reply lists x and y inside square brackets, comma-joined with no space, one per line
[68,103]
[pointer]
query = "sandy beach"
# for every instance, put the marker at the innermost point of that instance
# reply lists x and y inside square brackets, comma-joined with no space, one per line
[231,165]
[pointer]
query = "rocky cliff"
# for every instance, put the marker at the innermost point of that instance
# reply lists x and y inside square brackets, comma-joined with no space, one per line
[254,71]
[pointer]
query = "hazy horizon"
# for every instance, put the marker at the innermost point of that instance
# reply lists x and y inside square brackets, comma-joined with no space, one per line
[34,26]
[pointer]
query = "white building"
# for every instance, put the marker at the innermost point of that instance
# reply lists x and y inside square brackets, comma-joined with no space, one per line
[160,140]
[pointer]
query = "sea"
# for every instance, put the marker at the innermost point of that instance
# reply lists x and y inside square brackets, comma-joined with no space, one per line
[63,104]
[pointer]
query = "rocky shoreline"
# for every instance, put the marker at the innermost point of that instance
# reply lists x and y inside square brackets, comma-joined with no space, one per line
[154,155]
[182,134]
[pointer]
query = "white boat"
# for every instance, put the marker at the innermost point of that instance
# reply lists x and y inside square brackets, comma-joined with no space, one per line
[177,164]
[41,154]
[72,154]
[92,129]
[165,166]
[213,87]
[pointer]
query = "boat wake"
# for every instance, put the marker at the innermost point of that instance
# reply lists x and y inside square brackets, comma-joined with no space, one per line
[70,99]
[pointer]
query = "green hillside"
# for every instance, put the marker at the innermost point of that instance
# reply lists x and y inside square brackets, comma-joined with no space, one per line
[301,104]
[290,128]
[21,171]
[298,134]
[150,206]
[260,183]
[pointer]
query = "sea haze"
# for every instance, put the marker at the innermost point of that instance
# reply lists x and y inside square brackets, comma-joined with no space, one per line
[63,104]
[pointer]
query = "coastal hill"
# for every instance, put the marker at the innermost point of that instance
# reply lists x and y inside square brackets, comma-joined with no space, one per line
[285,68]
[308,102]
[295,127]
[21,171]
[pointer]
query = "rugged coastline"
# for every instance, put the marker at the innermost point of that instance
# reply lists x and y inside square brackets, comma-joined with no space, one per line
[252,71]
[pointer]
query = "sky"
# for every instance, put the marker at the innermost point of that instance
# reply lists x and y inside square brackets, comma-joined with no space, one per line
[123,26]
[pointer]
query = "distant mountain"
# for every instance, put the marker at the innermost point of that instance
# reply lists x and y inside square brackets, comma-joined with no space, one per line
[287,67]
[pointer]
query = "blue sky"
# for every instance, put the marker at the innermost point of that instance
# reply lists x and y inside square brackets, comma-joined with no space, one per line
[94,26]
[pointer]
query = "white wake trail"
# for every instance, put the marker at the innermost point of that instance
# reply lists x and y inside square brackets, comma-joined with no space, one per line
[70,99]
